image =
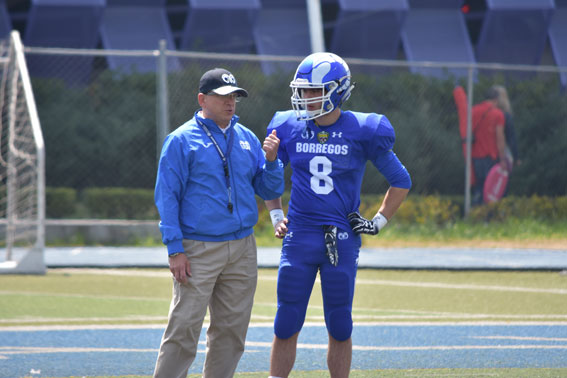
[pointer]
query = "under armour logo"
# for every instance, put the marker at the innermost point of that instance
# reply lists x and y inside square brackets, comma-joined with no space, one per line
[337,135]
[228,78]
[289,235]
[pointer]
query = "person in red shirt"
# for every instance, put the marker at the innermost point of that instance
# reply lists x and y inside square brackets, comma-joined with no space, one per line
[489,141]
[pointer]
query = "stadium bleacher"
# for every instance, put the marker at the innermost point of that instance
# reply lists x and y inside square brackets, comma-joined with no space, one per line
[514,31]
[135,25]
[220,26]
[558,38]
[67,24]
[282,28]
[5,22]
[369,29]
[436,31]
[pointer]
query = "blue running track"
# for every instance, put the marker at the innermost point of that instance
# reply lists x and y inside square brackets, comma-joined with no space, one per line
[132,350]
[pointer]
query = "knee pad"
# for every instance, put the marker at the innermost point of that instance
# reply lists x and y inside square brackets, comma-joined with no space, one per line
[293,295]
[339,324]
[287,322]
[337,297]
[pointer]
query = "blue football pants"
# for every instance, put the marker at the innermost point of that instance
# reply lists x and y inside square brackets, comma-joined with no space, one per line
[303,255]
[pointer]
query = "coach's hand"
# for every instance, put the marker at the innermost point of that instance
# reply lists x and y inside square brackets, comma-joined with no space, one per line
[180,267]
[270,146]
[361,225]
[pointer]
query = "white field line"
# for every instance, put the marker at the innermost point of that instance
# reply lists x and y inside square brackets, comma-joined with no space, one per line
[6,351]
[314,319]
[25,319]
[68,327]
[90,296]
[263,277]
[438,285]
[358,313]
[560,339]
[115,272]
[442,285]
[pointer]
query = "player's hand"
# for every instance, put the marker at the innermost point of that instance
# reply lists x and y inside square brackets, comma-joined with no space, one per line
[180,267]
[270,146]
[361,225]
[281,228]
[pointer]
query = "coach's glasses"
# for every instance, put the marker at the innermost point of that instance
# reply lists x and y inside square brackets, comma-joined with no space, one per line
[231,96]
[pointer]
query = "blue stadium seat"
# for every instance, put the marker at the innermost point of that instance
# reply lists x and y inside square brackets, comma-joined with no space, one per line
[558,40]
[220,26]
[435,31]
[136,25]
[63,23]
[369,29]
[5,23]
[282,28]
[514,31]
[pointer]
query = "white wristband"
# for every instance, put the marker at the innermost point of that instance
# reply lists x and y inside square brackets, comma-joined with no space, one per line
[277,216]
[380,220]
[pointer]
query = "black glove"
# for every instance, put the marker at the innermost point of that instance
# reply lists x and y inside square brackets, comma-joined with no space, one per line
[362,225]
[331,244]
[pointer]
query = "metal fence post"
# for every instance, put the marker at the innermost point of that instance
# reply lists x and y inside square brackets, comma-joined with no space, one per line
[468,156]
[162,100]
[315,26]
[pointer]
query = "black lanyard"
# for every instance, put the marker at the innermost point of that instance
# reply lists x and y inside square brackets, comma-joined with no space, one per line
[223,158]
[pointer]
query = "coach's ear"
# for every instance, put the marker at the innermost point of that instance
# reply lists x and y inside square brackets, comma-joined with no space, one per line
[201,99]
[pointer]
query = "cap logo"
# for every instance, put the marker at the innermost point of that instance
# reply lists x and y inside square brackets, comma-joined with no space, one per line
[228,78]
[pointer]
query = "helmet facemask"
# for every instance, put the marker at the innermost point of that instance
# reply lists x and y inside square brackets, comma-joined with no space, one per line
[300,104]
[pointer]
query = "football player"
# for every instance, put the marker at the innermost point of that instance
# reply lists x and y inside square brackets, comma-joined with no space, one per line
[327,149]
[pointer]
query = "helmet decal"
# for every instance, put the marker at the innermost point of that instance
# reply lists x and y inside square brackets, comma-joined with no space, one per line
[320,71]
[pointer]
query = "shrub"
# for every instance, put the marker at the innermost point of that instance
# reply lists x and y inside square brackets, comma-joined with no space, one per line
[60,202]
[120,203]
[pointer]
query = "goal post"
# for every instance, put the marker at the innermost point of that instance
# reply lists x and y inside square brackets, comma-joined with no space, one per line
[22,166]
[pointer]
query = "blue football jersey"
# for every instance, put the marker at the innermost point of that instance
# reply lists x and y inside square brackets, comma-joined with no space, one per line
[328,163]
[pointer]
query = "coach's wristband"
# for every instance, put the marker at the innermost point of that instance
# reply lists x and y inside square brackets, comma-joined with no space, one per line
[380,220]
[277,216]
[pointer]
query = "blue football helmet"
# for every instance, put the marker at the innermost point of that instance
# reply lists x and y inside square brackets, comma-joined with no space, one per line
[325,71]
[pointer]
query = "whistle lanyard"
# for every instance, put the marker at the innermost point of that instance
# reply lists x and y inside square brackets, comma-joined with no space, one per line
[223,157]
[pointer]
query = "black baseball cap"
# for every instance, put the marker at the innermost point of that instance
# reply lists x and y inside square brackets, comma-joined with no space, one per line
[221,82]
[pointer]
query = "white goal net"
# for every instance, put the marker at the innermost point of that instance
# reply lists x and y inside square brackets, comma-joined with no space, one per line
[22,167]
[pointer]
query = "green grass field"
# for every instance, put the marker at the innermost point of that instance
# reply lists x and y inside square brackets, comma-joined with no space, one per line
[129,296]
[141,296]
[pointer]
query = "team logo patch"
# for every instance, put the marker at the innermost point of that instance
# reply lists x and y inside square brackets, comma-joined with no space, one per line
[343,235]
[245,145]
[307,133]
[229,79]
[322,137]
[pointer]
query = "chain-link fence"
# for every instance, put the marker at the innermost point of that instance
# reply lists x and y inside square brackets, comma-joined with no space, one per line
[104,113]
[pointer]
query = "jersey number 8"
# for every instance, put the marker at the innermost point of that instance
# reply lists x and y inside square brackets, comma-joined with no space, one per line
[321,182]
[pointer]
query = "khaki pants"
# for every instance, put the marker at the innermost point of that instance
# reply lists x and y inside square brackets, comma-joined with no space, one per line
[223,277]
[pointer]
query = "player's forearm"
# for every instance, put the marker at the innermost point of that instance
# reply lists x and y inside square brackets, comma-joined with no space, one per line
[392,201]
[274,204]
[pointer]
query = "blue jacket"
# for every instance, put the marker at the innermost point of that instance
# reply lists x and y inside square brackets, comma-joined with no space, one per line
[191,192]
